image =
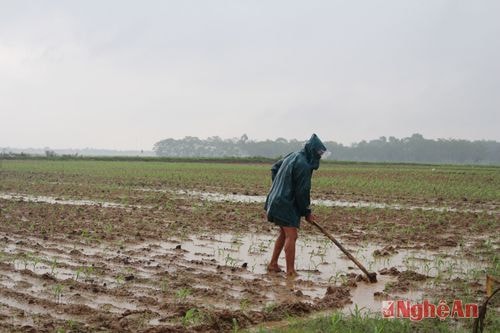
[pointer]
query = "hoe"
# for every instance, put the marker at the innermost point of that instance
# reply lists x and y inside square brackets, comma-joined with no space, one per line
[371,276]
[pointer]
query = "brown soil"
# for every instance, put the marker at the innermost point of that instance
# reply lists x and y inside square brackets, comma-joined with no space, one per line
[110,276]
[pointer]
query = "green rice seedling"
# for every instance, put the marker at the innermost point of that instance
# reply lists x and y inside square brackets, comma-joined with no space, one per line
[237,245]
[339,276]
[73,325]
[269,307]
[467,295]
[78,271]
[488,245]
[164,285]
[192,316]
[370,265]
[356,313]
[235,325]
[427,268]
[409,264]
[322,256]
[88,237]
[313,265]
[57,290]
[494,268]
[230,261]
[236,238]
[438,266]
[85,234]
[263,246]
[450,269]
[244,304]
[53,266]
[25,258]
[476,273]
[119,244]
[388,286]
[335,319]
[120,278]
[108,228]
[182,294]
[89,271]
[35,261]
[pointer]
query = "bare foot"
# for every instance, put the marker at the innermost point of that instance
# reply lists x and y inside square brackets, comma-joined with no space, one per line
[274,268]
[292,274]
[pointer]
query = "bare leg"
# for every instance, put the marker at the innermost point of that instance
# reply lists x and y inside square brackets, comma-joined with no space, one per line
[278,246]
[290,238]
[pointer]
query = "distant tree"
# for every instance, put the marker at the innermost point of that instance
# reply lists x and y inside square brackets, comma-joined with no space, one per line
[243,138]
[415,149]
[50,153]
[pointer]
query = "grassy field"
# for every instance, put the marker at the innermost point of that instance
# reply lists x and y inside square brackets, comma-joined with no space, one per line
[123,246]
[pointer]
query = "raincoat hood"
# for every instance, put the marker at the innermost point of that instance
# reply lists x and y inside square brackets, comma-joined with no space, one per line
[311,150]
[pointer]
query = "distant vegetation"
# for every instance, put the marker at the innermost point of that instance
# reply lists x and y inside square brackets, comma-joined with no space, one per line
[48,152]
[414,149]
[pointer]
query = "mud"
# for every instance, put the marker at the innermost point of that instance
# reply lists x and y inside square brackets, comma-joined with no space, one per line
[61,201]
[137,285]
[151,285]
[188,262]
[222,197]
[239,198]
[385,251]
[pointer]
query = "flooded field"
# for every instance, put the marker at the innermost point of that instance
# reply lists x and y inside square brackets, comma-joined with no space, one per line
[119,254]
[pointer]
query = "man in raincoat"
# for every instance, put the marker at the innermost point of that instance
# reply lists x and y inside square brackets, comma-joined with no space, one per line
[289,199]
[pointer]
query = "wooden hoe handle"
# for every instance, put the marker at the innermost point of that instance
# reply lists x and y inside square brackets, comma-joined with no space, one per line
[371,276]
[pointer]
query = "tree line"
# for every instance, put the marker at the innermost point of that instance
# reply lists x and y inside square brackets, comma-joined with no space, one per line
[413,149]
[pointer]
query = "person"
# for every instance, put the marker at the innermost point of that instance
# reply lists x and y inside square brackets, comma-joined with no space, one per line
[289,199]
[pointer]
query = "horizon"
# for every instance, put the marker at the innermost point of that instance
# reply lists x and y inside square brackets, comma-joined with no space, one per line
[232,138]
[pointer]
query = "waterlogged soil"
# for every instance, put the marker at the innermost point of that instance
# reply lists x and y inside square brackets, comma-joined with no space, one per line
[151,285]
[49,282]
[195,265]
[457,187]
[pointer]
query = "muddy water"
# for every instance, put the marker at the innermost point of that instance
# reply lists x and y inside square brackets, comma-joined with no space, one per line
[320,263]
[113,278]
[221,272]
[59,201]
[220,197]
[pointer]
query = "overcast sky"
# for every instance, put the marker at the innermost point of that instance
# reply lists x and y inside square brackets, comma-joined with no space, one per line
[126,74]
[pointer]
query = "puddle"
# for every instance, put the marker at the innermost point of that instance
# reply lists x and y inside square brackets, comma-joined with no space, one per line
[240,198]
[63,264]
[59,201]
[9,279]
[34,309]
[41,269]
[116,306]
[319,263]
[236,260]
[220,197]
